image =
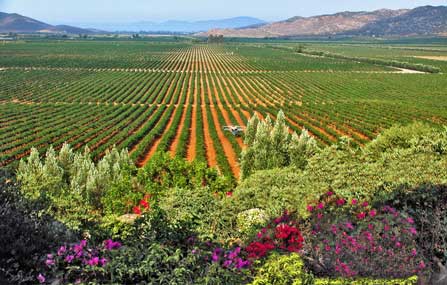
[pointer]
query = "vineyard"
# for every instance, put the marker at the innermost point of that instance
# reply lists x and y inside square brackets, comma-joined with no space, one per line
[177,96]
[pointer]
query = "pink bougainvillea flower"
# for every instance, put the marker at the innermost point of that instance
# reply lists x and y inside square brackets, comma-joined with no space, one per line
[349,226]
[361,215]
[354,201]
[94,261]
[319,216]
[61,250]
[410,220]
[49,262]
[41,278]
[365,204]
[320,206]
[329,193]
[341,202]
[103,261]
[421,264]
[372,213]
[310,208]
[69,258]
[413,231]
[110,244]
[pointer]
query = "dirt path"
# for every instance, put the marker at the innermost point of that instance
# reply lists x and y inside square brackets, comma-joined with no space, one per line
[210,150]
[191,151]
[157,140]
[174,143]
[228,149]
[433,57]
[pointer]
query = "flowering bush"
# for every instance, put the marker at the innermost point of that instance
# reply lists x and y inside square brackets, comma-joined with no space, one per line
[280,234]
[77,263]
[350,239]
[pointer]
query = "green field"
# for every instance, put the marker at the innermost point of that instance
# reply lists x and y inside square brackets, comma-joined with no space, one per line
[176,96]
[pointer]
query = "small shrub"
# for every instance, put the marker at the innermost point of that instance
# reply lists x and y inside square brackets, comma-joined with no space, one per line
[286,269]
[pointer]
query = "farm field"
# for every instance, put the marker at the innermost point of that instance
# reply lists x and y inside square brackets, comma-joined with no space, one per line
[177,96]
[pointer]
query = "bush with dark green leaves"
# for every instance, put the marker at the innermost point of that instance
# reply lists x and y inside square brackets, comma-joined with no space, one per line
[25,234]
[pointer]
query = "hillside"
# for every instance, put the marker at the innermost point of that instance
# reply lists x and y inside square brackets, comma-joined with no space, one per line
[16,23]
[421,20]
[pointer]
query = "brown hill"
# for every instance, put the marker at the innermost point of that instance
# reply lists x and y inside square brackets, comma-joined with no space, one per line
[15,23]
[421,20]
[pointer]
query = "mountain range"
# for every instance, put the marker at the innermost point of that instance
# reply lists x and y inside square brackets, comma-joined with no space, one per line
[15,23]
[425,20]
[176,26]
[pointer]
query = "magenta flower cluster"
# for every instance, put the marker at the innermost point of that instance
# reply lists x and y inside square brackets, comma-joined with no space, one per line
[79,255]
[231,259]
[281,234]
[349,239]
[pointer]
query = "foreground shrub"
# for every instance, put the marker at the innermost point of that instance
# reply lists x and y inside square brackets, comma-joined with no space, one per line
[428,205]
[25,234]
[352,239]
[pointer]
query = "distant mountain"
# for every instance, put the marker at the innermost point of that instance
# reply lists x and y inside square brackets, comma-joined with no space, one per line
[176,26]
[419,21]
[16,23]
[423,20]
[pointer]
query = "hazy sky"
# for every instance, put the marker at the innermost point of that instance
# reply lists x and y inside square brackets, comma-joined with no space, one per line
[72,11]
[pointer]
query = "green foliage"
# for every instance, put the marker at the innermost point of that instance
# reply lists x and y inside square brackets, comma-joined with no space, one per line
[271,146]
[72,186]
[418,136]
[282,270]
[351,172]
[163,172]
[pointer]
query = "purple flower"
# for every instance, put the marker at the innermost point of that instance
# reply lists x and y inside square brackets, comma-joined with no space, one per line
[83,243]
[93,261]
[61,250]
[103,261]
[215,255]
[69,258]
[233,254]
[110,244]
[49,262]
[227,263]
[41,278]
[240,263]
